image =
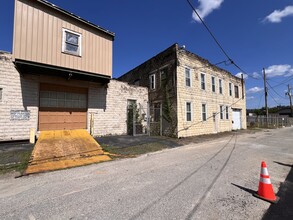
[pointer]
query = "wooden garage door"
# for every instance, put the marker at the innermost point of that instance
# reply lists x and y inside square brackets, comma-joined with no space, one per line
[62,107]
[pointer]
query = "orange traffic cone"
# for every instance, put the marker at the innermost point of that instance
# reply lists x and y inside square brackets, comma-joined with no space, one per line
[265,188]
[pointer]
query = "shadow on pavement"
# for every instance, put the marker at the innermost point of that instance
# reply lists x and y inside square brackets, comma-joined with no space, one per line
[245,189]
[127,141]
[284,208]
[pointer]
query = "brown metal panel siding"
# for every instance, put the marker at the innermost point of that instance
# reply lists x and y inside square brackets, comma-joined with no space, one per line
[38,38]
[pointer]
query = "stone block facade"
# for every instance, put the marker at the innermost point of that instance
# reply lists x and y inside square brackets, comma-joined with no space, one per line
[19,102]
[217,119]
[181,92]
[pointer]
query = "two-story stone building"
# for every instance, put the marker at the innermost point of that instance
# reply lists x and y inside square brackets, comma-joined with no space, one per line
[59,76]
[194,96]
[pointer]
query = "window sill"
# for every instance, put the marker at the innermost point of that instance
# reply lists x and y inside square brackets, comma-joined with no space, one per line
[73,54]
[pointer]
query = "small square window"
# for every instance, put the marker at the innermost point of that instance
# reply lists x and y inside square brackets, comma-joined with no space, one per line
[71,42]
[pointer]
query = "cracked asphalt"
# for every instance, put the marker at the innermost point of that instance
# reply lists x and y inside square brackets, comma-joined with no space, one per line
[210,180]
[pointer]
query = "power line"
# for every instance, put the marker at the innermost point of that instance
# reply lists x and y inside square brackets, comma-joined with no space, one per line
[273,98]
[275,91]
[215,39]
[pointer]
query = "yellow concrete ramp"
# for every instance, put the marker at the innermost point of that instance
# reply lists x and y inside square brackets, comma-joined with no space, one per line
[63,149]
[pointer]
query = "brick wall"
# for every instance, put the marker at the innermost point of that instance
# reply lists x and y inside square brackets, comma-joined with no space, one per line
[197,96]
[107,102]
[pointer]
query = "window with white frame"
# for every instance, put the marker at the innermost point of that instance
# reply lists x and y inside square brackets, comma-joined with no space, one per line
[221,112]
[203,81]
[236,90]
[187,77]
[204,112]
[153,81]
[188,111]
[71,42]
[220,86]
[227,112]
[213,84]
[230,89]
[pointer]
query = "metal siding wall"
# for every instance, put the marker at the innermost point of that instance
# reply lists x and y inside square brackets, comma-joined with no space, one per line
[38,38]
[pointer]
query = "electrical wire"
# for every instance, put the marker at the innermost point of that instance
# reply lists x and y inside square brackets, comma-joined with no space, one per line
[275,91]
[217,42]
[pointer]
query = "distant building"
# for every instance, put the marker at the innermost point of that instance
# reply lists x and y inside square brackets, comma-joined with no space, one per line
[188,95]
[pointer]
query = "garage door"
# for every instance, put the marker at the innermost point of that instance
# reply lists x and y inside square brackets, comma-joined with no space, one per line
[62,107]
[236,117]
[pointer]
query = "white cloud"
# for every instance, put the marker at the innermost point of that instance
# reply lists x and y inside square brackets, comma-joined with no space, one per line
[279,70]
[206,7]
[256,75]
[277,15]
[245,76]
[249,97]
[254,90]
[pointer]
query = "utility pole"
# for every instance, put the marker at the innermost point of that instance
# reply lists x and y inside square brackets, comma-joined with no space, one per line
[290,98]
[266,96]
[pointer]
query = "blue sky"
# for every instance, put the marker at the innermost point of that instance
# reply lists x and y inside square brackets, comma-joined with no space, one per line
[255,34]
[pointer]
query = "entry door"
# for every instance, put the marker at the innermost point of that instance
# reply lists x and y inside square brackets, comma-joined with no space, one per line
[236,117]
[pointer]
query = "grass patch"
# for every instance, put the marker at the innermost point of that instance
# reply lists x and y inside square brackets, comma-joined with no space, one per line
[14,161]
[132,151]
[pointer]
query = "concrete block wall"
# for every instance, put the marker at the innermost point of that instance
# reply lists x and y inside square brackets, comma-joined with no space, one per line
[18,93]
[197,97]
[110,117]
[108,102]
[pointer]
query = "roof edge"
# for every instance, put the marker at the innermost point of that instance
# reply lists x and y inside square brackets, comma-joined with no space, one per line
[55,7]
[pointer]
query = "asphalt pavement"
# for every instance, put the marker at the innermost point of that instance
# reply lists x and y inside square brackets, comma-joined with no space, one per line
[209,180]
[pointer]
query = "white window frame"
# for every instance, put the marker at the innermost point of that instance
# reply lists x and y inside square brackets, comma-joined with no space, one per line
[238,95]
[203,82]
[186,111]
[222,109]
[206,112]
[64,30]
[213,84]
[227,112]
[153,81]
[230,89]
[220,86]
[189,78]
